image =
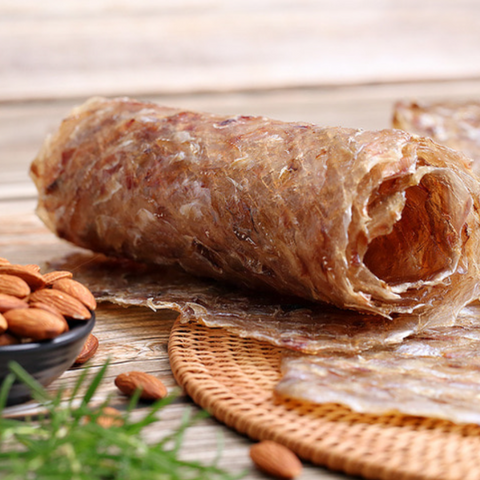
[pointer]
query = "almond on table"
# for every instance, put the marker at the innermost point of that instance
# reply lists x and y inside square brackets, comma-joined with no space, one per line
[152,388]
[109,417]
[275,460]
[89,349]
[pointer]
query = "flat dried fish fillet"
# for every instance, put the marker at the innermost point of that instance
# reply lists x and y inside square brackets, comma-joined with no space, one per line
[305,327]
[380,222]
[454,124]
[435,373]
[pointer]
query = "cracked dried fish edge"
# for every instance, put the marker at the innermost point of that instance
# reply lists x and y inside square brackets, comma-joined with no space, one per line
[380,222]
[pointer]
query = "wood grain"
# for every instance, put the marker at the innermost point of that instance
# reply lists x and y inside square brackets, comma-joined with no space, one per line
[53,50]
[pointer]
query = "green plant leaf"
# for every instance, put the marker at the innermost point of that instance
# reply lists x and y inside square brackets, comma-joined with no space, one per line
[61,445]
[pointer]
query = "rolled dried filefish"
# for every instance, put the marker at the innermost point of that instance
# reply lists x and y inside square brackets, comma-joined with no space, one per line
[454,124]
[380,222]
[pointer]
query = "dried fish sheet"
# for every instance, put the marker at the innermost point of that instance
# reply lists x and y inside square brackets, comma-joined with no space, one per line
[435,373]
[371,365]
[379,222]
[305,327]
[454,124]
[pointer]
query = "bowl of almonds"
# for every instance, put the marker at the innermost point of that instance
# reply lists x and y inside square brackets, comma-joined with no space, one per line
[45,319]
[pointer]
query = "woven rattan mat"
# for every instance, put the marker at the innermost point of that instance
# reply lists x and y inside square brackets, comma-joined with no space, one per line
[233,379]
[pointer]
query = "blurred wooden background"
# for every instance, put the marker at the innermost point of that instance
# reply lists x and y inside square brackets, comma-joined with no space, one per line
[53,49]
[332,62]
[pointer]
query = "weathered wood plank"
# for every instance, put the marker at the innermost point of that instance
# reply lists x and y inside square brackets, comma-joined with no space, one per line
[53,50]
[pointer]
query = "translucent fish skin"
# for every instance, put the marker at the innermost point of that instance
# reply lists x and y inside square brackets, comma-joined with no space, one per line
[302,210]
[454,124]
[433,374]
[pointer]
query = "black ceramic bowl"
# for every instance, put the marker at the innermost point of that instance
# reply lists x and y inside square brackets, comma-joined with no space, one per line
[46,360]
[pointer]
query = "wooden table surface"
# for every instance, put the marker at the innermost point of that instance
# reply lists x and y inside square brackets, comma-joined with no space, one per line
[332,62]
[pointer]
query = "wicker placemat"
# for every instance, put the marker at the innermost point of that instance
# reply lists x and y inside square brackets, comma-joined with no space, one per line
[233,378]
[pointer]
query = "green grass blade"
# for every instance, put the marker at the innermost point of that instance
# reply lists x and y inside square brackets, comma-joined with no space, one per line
[36,388]
[5,390]
[78,385]
[60,446]
[93,387]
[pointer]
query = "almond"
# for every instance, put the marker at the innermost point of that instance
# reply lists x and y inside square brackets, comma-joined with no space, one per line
[52,277]
[3,323]
[52,310]
[13,285]
[275,459]
[9,302]
[64,303]
[33,323]
[7,339]
[152,388]
[32,267]
[109,417]
[76,290]
[88,351]
[34,279]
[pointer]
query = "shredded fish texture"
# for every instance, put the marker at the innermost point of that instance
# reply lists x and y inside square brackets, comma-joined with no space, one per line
[454,124]
[378,222]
